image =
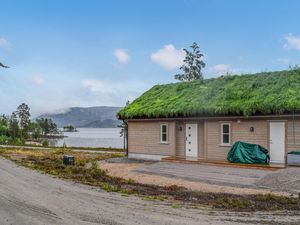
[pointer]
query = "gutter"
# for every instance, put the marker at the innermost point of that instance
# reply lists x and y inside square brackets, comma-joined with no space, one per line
[215,118]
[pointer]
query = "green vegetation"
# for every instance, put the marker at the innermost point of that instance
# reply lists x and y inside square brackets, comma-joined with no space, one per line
[45,143]
[253,94]
[23,113]
[69,128]
[124,132]
[32,147]
[46,126]
[18,127]
[192,65]
[87,171]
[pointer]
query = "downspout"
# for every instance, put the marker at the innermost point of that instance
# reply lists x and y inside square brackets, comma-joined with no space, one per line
[294,128]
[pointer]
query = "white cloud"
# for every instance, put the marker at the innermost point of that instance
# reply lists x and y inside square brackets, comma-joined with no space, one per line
[38,80]
[292,42]
[4,43]
[122,55]
[94,85]
[109,87]
[169,57]
[283,61]
[222,69]
[107,92]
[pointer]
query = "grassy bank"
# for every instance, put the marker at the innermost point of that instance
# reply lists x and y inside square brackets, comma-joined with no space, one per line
[86,171]
[75,148]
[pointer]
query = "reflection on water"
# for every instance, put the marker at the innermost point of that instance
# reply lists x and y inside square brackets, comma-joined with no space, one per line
[91,137]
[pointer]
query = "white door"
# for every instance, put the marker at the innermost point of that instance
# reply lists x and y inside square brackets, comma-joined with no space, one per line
[277,142]
[191,141]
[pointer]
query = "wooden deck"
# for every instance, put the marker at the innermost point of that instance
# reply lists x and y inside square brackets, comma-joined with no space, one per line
[223,163]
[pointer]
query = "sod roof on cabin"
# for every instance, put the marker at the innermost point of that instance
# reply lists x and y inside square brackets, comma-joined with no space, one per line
[253,94]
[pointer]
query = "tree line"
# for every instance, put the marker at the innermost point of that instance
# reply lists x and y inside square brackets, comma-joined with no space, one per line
[18,127]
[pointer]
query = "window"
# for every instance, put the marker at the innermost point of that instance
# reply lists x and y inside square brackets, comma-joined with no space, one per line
[225,133]
[164,133]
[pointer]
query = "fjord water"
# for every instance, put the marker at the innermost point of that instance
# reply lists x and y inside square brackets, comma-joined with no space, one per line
[91,137]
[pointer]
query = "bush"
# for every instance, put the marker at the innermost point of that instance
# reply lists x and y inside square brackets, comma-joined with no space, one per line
[18,141]
[5,140]
[45,143]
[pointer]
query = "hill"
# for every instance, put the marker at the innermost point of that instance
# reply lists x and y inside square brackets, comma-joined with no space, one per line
[93,117]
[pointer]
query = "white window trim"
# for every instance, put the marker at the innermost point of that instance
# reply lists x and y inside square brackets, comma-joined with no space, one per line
[167,133]
[229,134]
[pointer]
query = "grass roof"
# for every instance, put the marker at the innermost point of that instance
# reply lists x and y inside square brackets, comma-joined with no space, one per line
[262,93]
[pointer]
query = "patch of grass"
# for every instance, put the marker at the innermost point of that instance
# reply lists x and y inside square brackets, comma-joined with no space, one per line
[87,171]
[108,149]
[238,204]
[100,149]
[125,195]
[250,94]
[154,198]
[176,205]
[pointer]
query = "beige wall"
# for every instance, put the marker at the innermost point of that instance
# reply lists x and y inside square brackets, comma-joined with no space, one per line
[180,139]
[239,132]
[144,138]
[293,135]
[201,150]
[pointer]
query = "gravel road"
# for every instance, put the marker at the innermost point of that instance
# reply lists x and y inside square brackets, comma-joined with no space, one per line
[28,197]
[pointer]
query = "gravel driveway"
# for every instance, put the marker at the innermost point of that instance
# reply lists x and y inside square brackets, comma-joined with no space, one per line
[30,198]
[284,180]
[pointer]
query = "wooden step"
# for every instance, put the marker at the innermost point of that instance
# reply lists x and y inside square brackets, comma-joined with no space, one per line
[221,163]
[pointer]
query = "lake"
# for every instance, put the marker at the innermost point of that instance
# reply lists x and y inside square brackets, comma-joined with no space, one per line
[91,137]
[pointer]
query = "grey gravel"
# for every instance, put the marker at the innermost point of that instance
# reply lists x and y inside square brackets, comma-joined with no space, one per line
[285,180]
[129,160]
[31,198]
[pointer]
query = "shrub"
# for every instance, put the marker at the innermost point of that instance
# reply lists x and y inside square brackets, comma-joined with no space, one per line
[18,141]
[45,143]
[5,140]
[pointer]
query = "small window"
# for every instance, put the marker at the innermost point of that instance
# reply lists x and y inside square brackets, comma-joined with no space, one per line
[225,133]
[164,133]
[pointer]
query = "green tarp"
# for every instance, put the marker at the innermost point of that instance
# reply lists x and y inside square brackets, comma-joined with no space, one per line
[242,152]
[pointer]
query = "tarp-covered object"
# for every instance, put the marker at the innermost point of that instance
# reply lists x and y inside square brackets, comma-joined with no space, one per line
[242,152]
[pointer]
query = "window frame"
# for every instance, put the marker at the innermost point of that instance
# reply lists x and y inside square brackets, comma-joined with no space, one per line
[166,133]
[229,134]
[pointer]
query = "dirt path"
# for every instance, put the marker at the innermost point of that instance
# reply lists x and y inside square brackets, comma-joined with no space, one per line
[28,197]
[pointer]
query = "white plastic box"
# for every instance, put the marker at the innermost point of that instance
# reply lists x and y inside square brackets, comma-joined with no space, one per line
[293,159]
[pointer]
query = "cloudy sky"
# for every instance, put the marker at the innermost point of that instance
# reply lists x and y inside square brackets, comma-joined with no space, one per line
[92,53]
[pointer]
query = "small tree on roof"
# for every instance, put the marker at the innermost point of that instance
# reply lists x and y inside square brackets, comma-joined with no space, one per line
[193,64]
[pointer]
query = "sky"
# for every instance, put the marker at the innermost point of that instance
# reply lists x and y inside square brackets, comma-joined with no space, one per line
[66,53]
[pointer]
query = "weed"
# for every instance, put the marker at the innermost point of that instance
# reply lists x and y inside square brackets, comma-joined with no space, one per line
[176,205]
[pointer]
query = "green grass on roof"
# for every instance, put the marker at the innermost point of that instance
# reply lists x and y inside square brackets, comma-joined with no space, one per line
[251,94]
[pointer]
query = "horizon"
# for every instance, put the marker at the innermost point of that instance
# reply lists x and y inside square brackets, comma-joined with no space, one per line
[94,53]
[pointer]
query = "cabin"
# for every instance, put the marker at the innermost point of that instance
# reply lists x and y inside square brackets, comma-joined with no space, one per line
[201,120]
